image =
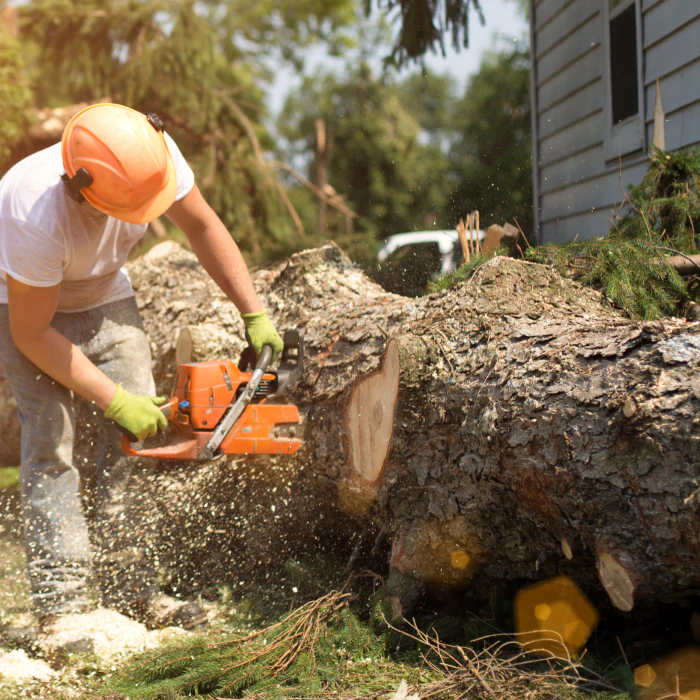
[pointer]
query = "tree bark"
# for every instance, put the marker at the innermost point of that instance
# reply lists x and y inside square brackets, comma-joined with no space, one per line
[514,428]
[510,429]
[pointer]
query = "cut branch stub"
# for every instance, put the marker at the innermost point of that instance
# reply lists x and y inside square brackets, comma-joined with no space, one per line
[369,426]
[617,581]
[437,552]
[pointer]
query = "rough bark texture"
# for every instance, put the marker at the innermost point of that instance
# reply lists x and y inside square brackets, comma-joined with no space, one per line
[537,431]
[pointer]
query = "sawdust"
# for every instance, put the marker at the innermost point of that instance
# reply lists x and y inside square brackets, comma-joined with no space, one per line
[110,632]
[17,667]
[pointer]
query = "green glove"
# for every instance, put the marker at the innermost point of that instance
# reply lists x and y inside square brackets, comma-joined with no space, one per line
[140,415]
[261,332]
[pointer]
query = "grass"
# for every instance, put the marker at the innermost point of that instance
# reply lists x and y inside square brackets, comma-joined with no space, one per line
[327,648]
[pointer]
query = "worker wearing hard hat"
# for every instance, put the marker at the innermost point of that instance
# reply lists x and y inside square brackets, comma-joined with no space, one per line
[69,324]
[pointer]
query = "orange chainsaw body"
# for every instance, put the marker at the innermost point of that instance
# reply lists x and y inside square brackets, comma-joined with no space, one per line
[203,393]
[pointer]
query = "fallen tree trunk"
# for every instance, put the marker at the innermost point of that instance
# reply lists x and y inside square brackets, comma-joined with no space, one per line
[513,428]
[510,429]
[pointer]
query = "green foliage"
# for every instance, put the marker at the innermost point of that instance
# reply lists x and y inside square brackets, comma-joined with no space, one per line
[464,272]
[666,205]
[629,265]
[15,95]
[199,65]
[630,272]
[491,161]
[306,648]
[410,155]
[424,24]
[9,478]
[393,181]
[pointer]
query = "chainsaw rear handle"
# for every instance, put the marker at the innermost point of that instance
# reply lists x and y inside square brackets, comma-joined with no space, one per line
[168,408]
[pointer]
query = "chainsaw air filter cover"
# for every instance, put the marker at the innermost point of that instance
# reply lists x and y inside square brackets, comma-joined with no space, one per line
[205,390]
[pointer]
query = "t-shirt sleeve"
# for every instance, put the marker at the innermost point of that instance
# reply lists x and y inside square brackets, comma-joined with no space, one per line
[29,254]
[183,172]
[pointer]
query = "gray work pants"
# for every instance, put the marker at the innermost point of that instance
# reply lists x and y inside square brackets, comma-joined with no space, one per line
[56,535]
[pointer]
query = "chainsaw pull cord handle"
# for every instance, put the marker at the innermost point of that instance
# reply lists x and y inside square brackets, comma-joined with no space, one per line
[169,409]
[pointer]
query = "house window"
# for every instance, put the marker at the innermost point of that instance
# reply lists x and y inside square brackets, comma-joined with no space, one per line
[624,108]
[623,63]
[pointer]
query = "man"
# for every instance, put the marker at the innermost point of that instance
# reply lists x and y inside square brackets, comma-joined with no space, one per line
[69,215]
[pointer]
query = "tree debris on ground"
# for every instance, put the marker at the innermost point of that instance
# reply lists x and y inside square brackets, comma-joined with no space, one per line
[638,265]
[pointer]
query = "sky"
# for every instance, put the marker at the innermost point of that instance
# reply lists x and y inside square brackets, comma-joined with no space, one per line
[504,22]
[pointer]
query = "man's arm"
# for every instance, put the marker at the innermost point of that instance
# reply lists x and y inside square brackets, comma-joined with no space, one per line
[215,249]
[31,311]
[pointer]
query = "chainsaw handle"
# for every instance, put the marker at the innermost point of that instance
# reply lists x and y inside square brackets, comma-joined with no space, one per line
[169,408]
[127,434]
[264,359]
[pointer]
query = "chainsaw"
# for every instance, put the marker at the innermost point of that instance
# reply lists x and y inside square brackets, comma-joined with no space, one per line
[220,408]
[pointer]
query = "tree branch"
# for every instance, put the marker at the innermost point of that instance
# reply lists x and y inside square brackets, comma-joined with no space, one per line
[331,201]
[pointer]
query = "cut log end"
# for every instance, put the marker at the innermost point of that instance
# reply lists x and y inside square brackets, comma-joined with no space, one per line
[369,426]
[617,581]
[201,343]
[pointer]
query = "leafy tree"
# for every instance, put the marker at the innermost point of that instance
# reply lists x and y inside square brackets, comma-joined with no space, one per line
[425,23]
[15,95]
[201,65]
[392,180]
[431,98]
[491,157]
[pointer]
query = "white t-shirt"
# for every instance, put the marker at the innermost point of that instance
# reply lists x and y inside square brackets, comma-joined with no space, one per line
[47,238]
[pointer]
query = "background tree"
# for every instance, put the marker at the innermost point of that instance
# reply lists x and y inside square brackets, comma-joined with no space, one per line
[425,24]
[202,66]
[378,161]
[15,95]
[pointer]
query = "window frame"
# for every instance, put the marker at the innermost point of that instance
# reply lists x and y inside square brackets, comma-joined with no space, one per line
[629,136]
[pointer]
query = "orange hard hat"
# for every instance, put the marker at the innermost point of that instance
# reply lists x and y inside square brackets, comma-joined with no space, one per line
[117,158]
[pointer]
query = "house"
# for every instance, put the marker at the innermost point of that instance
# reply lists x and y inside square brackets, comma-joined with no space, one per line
[595,69]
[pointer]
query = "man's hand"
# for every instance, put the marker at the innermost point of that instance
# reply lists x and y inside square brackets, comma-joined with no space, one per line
[140,415]
[262,332]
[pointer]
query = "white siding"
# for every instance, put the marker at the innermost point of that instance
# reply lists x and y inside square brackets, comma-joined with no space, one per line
[578,137]
[677,49]
[600,193]
[580,104]
[672,54]
[577,187]
[564,23]
[582,166]
[570,80]
[580,227]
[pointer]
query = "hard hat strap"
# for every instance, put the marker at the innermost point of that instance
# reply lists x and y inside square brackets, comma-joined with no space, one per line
[82,178]
[155,121]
